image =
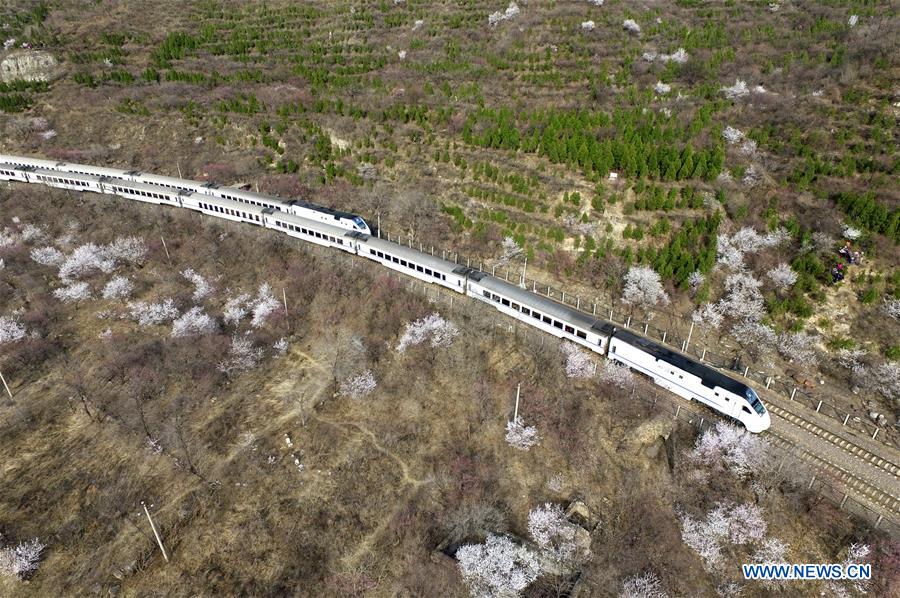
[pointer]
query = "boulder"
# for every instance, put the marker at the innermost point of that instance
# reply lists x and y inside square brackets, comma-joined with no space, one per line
[29,65]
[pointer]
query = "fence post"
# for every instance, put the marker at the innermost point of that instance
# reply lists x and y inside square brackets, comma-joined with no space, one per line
[665,332]
[819,406]
[845,420]
[768,382]
[746,369]
[811,482]
[876,433]
[646,325]
[677,411]
[843,500]
[628,322]
[595,309]
[877,523]
[702,357]
[793,392]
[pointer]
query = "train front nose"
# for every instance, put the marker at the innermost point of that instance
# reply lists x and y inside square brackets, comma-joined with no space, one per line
[765,421]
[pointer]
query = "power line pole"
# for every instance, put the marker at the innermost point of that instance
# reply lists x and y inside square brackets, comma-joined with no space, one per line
[516,412]
[155,533]
[6,386]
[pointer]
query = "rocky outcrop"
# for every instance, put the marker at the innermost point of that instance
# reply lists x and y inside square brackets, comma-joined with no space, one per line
[29,65]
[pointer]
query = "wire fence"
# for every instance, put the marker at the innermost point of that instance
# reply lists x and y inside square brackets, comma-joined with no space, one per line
[674,335]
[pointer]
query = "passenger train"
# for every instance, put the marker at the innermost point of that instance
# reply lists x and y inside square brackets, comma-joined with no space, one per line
[348,232]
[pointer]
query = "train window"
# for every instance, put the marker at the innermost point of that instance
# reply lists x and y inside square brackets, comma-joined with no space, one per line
[548,319]
[526,311]
[744,409]
[371,251]
[486,294]
[570,330]
[612,349]
[420,268]
[535,315]
[557,324]
[580,334]
[516,306]
[504,301]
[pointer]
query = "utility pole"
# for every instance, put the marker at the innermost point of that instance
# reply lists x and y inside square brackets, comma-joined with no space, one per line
[524,266]
[168,257]
[284,296]
[690,332]
[6,386]
[379,224]
[516,411]
[155,533]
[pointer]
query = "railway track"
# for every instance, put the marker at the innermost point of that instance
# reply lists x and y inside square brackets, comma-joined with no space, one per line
[871,477]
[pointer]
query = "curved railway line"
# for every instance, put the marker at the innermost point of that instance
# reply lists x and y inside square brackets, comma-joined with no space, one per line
[859,468]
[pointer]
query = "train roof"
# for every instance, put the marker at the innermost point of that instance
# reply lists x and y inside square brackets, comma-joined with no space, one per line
[330,211]
[545,305]
[335,231]
[134,185]
[709,376]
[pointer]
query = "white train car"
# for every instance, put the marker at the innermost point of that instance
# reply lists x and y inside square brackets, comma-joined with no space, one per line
[541,312]
[408,261]
[309,230]
[689,379]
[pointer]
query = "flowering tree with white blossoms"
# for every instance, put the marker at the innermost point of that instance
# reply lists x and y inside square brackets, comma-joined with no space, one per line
[851,233]
[892,308]
[742,300]
[643,288]
[76,291]
[359,386]
[737,90]
[743,524]
[83,260]
[236,309]
[499,567]
[263,306]
[555,535]
[440,331]
[496,17]
[730,447]
[782,276]
[47,256]
[645,585]
[242,356]
[192,322]
[511,250]
[708,314]
[150,314]
[129,250]
[21,560]
[202,288]
[520,436]
[578,362]
[617,374]
[799,347]
[281,346]
[11,330]
[118,287]
[695,280]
